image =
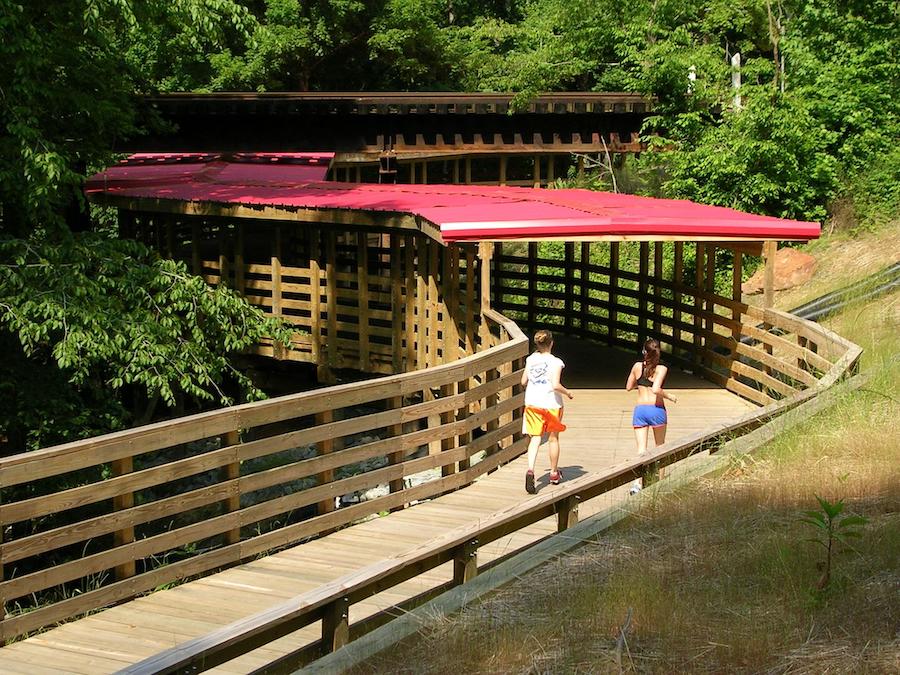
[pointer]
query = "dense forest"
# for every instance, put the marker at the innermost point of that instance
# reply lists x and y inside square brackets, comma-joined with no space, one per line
[99,333]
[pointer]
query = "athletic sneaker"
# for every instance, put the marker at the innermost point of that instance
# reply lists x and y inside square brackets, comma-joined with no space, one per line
[555,477]
[529,482]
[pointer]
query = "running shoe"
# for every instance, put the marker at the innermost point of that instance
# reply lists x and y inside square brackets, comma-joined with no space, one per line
[529,482]
[555,477]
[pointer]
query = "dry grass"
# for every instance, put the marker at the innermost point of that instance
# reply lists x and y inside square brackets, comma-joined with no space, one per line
[718,577]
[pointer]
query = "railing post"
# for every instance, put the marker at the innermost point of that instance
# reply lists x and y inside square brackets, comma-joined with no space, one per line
[643,291]
[567,513]
[465,562]
[698,304]
[233,471]
[120,467]
[448,417]
[396,485]
[612,296]
[650,474]
[336,625]
[323,448]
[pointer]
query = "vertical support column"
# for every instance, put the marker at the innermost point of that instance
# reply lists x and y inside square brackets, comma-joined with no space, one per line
[698,288]
[710,287]
[537,171]
[421,300]
[585,290]
[362,284]
[465,437]
[657,291]
[330,306]
[465,562]
[456,171]
[315,296]
[424,172]
[196,263]
[396,304]
[325,447]
[447,418]
[358,175]
[643,274]
[223,257]
[451,303]
[677,282]
[170,237]
[434,302]
[567,513]
[532,283]
[503,161]
[412,173]
[569,273]
[551,169]
[613,296]
[409,261]
[233,472]
[736,276]
[336,625]
[277,349]
[470,302]
[395,430]
[239,270]
[485,253]
[468,165]
[120,467]
[769,250]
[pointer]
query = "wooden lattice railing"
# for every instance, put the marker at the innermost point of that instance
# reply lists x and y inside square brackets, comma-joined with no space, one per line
[331,602]
[726,341]
[157,504]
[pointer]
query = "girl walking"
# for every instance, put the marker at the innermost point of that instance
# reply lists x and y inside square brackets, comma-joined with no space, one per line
[649,375]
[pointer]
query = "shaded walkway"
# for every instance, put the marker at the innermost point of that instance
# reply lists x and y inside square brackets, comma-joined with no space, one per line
[599,436]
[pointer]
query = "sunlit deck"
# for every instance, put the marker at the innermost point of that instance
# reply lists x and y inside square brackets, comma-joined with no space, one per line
[599,436]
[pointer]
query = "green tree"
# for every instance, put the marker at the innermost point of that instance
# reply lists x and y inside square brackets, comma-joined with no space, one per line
[298,46]
[84,315]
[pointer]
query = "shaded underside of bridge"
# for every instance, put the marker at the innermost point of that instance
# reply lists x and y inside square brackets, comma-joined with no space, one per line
[362,125]
[598,439]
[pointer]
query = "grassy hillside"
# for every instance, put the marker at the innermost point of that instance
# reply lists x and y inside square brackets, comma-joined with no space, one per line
[722,576]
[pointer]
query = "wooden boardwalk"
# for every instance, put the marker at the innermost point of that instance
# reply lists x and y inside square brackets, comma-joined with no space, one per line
[599,436]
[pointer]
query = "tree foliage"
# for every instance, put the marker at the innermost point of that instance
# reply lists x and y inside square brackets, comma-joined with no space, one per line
[84,318]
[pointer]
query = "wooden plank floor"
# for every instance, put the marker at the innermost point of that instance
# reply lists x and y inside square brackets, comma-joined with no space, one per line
[599,436]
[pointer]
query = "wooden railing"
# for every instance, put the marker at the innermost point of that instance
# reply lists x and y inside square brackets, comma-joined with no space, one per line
[331,602]
[722,339]
[157,504]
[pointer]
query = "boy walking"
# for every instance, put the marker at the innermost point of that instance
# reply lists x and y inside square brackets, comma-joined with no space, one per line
[543,405]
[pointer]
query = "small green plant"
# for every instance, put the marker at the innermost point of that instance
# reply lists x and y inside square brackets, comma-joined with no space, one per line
[831,530]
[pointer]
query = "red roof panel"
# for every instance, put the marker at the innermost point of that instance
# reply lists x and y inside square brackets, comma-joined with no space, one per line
[463,212]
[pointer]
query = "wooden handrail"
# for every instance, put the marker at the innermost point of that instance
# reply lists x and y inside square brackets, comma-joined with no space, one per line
[229,642]
[442,406]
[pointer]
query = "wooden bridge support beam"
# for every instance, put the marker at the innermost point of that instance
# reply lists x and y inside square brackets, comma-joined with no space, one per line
[465,562]
[336,625]
[567,513]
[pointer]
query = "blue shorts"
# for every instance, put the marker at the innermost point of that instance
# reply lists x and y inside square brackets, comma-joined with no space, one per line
[649,416]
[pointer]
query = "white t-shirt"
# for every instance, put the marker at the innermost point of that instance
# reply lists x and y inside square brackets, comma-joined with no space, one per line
[539,390]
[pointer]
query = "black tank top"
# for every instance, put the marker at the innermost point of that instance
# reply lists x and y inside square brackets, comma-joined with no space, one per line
[643,380]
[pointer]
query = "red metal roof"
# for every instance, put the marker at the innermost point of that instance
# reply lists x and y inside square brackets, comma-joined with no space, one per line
[462,212]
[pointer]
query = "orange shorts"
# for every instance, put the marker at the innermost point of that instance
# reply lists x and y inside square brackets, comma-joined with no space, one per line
[539,421]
